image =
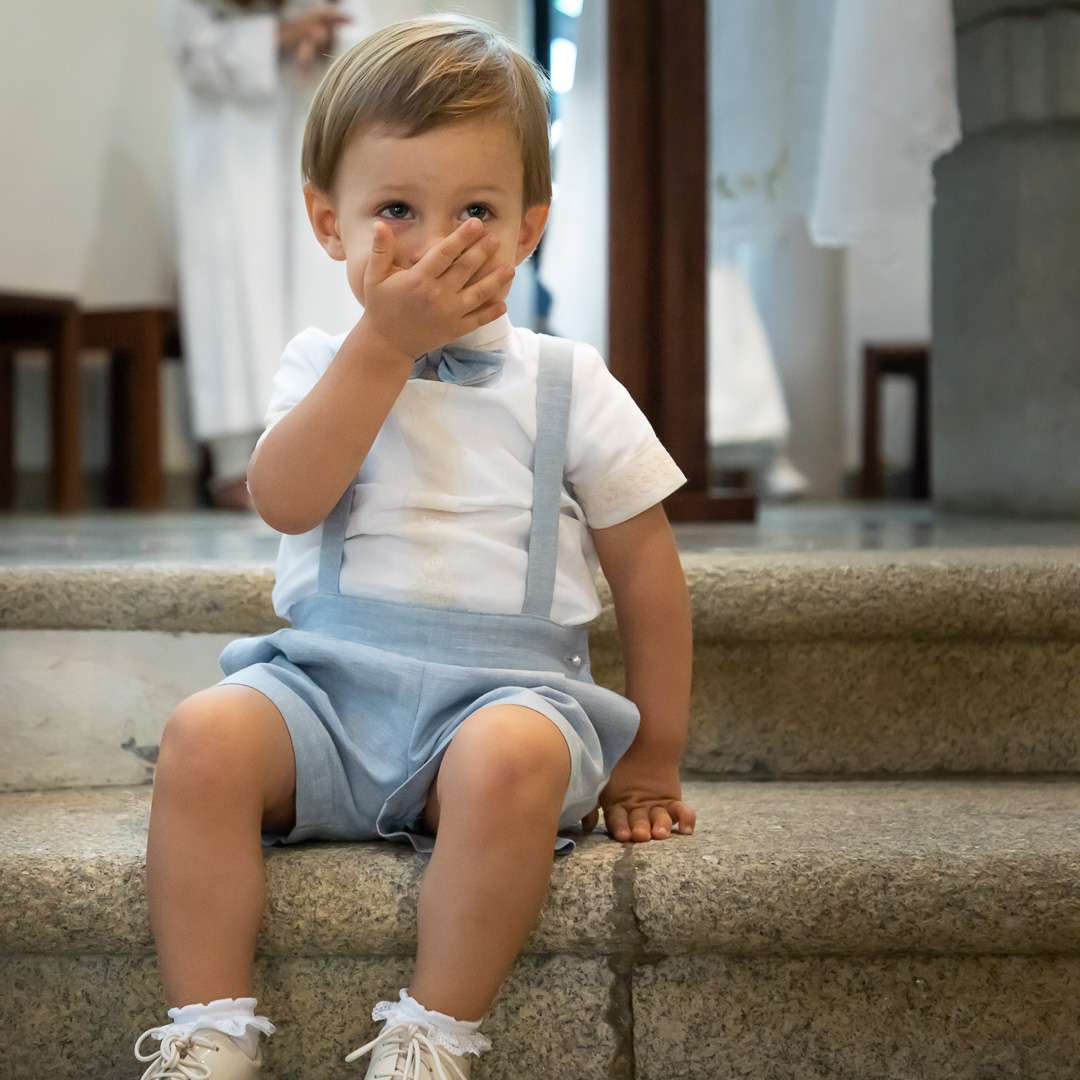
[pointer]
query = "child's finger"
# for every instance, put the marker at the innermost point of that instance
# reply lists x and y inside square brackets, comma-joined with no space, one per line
[487,288]
[685,815]
[482,316]
[382,253]
[661,821]
[472,265]
[441,255]
[617,822]
[639,823]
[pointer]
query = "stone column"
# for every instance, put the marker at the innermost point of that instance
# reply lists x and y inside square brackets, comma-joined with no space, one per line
[1005,383]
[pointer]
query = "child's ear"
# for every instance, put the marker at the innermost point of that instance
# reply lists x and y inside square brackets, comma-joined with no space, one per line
[532,228]
[323,218]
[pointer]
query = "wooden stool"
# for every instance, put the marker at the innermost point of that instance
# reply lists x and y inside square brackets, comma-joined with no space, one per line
[51,323]
[137,340]
[912,360]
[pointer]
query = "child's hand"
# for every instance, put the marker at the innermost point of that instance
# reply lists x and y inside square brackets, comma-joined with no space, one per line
[420,308]
[643,799]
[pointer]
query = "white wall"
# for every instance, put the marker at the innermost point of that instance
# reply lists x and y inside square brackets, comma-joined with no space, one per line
[84,114]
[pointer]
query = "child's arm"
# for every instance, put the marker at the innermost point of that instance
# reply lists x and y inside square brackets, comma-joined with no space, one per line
[640,560]
[300,469]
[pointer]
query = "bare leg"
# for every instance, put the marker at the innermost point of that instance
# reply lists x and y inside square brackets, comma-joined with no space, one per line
[495,810]
[225,767]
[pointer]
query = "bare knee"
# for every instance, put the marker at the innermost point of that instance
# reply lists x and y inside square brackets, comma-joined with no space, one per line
[502,755]
[508,753]
[195,743]
[227,742]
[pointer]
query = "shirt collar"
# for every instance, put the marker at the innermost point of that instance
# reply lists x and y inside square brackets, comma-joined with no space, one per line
[487,336]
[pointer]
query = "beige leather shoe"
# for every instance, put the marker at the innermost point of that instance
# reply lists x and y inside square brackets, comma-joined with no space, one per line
[404,1052]
[205,1054]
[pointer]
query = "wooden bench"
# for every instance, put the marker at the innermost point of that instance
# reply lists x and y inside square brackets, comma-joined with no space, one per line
[137,340]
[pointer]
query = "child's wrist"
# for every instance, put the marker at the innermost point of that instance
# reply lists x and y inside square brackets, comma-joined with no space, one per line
[374,344]
[665,746]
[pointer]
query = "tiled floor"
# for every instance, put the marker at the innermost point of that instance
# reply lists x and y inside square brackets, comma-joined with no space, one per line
[243,539]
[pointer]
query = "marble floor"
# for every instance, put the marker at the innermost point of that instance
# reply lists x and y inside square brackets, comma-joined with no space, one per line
[204,536]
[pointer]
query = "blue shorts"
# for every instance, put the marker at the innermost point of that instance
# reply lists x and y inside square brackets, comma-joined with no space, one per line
[373,691]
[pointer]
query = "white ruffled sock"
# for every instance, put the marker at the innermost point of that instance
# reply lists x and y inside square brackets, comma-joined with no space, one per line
[458,1036]
[234,1016]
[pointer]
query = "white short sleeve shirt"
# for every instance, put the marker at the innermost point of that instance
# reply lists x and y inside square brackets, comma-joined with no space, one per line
[443,500]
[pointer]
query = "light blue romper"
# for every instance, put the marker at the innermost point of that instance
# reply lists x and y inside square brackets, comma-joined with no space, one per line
[373,690]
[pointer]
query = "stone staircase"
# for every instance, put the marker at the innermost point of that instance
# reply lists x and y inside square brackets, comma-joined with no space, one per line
[884,883]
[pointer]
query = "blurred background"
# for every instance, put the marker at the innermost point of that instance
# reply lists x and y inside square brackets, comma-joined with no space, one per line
[876,232]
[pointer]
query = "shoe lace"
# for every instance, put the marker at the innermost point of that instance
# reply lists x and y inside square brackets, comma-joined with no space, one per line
[415,1065]
[169,1056]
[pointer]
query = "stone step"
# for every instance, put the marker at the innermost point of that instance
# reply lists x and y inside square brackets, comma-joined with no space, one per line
[813,664]
[893,929]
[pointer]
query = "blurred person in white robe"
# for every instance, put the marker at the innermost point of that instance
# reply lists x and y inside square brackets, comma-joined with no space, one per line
[245,69]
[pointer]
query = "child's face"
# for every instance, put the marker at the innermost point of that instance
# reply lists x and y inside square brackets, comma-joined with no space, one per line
[424,187]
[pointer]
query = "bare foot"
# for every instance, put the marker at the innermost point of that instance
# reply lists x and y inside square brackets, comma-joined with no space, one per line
[232,495]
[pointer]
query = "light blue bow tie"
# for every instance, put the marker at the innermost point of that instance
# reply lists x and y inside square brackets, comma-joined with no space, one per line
[457,364]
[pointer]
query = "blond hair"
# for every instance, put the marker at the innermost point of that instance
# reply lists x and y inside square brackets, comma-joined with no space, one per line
[421,73]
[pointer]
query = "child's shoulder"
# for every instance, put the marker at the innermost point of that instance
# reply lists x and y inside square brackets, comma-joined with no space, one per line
[587,360]
[314,347]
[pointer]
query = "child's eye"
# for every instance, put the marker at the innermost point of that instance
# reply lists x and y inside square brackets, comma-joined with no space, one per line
[481,206]
[394,206]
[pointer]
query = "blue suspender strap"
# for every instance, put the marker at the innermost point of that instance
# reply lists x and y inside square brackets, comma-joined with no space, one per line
[333,542]
[553,387]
